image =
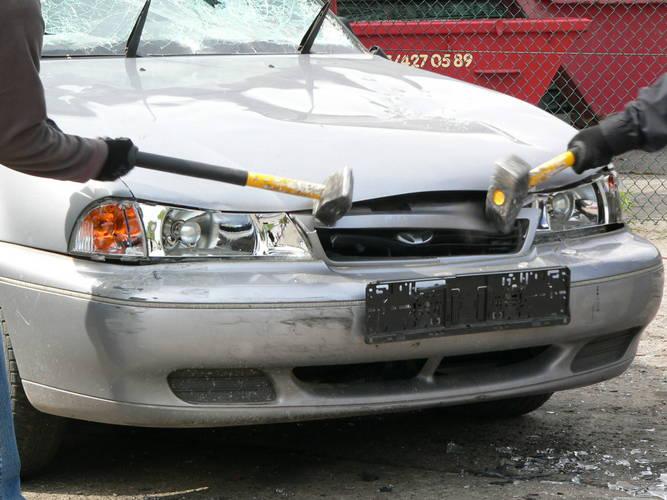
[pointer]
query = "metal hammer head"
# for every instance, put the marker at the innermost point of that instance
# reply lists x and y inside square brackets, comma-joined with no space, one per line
[336,198]
[508,192]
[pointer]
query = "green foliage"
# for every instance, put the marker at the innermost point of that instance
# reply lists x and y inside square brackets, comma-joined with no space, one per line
[627,200]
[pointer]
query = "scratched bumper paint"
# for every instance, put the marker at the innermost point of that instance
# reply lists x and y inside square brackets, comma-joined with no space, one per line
[127,328]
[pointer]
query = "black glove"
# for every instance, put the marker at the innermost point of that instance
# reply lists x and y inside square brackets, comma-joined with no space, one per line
[590,149]
[120,160]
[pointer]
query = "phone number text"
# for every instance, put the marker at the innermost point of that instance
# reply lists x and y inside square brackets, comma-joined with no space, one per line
[446,60]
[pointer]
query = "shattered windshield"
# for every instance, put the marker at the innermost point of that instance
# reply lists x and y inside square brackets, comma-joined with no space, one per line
[186,27]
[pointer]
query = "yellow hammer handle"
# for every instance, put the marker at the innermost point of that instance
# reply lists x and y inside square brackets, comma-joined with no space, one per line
[284,185]
[542,172]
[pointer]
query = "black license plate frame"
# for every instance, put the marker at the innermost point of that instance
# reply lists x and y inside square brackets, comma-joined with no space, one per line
[403,310]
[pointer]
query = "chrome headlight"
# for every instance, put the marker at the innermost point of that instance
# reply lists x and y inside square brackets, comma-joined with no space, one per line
[130,230]
[588,205]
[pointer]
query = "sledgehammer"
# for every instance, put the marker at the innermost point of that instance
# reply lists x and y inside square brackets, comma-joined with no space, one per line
[511,183]
[333,199]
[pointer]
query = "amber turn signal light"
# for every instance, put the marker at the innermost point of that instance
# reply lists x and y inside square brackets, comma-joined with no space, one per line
[110,229]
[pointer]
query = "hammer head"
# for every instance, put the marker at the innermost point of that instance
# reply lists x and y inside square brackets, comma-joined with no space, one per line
[508,192]
[336,198]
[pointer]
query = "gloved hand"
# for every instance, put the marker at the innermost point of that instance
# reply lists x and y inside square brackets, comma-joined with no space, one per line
[590,149]
[120,160]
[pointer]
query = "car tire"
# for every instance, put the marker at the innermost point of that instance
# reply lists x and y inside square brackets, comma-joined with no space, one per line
[38,435]
[501,408]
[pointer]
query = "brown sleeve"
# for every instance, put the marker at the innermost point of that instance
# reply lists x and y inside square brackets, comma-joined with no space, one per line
[27,142]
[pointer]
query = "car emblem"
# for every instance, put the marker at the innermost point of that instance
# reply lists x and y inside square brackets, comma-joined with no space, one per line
[420,238]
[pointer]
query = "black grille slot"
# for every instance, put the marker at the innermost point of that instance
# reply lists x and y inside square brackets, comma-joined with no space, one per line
[359,244]
[220,386]
[361,373]
[486,362]
[603,351]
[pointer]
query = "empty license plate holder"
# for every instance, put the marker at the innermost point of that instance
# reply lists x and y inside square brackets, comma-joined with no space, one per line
[415,309]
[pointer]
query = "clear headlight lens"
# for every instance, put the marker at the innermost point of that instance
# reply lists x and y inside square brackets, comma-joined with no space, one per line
[588,205]
[131,230]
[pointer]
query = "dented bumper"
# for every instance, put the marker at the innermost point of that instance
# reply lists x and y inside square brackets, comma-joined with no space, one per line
[99,341]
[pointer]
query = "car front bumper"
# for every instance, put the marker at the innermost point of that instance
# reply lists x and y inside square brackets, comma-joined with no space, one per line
[98,341]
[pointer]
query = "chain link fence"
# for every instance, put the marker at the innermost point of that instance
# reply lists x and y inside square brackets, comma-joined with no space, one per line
[580,60]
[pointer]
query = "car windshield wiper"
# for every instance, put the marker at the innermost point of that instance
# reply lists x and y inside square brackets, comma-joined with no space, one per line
[135,35]
[309,38]
[133,40]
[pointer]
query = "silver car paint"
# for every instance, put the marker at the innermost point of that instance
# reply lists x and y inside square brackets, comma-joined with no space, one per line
[96,340]
[400,129]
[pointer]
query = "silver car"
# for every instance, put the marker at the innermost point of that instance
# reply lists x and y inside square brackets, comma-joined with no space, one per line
[162,300]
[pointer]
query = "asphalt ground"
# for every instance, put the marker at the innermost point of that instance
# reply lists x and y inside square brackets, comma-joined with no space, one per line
[604,441]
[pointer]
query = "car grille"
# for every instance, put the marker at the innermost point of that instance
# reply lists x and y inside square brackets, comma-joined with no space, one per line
[221,386]
[603,351]
[386,372]
[487,362]
[385,243]
[360,373]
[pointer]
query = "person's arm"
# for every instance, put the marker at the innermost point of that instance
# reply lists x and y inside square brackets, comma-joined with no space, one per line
[28,143]
[642,125]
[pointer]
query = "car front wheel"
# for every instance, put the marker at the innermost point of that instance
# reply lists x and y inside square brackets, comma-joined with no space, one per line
[38,435]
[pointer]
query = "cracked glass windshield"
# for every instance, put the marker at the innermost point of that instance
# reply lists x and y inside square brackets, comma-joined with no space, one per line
[185,27]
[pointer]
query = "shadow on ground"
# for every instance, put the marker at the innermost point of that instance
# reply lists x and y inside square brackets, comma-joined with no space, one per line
[584,443]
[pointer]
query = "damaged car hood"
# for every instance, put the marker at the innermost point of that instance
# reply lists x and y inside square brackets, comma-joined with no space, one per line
[401,130]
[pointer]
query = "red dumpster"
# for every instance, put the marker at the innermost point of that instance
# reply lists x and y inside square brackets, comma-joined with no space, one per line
[624,48]
[516,56]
